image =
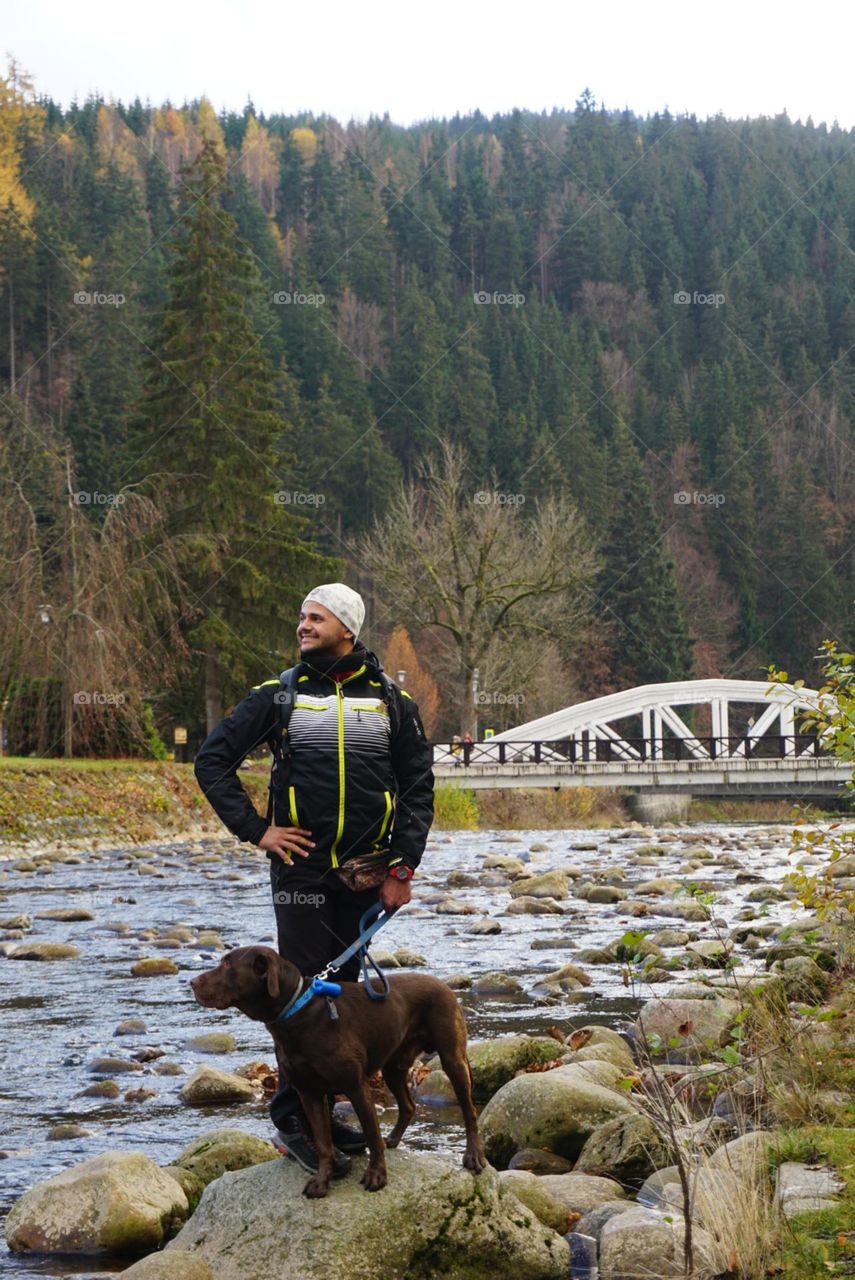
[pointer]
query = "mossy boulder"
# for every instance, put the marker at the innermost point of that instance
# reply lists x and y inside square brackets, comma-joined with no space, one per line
[557,1109]
[530,1191]
[433,1219]
[220,1151]
[119,1202]
[208,1086]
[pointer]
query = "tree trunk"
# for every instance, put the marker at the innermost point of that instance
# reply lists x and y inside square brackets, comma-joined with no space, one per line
[213,690]
[468,707]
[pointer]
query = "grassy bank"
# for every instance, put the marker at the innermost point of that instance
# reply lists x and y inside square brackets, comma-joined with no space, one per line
[129,801]
[138,800]
[546,809]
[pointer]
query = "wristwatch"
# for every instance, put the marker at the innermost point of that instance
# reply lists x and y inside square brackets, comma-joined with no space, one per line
[401,872]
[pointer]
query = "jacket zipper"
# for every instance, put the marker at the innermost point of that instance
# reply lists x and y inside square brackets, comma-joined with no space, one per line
[340,704]
[385,823]
[292,806]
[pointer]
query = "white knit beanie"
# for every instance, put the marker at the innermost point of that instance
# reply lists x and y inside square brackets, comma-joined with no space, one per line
[347,604]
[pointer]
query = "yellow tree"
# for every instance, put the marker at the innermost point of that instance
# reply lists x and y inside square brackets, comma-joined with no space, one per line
[20,117]
[401,656]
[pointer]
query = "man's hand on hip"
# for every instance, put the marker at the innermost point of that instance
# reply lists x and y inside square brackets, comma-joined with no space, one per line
[283,841]
[394,893]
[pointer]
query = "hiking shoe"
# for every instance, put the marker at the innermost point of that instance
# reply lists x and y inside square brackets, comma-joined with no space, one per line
[294,1141]
[346,1138]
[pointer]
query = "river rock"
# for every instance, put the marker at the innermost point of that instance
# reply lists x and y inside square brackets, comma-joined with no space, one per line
[485,927]
[153,966]
[532,1192]
[131,1027]
[107,1065]
[628,1149]
[747,1156]
[802,978]
[532,1160]
[436,1090]
[172,1265]
[501,862]
[118,1202]
[212,1042]
[609,1044]
[496,984]
[22,921]
[530,906]
[446,1222]
[208,1086]
[642,1242]
[550,884]
[568,971]
[410,959]
[690,1027]
[69,914]
[581,1192]
[449,906]
[683,909]
[557,1109]
[101,1089]
[190,1183]
[44,951]
[218,1151]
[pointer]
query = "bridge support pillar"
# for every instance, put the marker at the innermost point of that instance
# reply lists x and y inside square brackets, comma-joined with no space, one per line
[659,806]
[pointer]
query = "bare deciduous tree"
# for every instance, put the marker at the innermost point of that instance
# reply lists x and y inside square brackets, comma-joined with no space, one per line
[454,556]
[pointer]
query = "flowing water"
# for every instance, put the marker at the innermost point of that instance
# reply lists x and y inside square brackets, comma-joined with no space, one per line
[58,1016]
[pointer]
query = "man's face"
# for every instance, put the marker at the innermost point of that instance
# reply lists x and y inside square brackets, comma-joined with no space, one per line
[321,632]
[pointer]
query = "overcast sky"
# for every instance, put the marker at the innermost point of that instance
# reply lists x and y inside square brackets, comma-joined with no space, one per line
[417,60]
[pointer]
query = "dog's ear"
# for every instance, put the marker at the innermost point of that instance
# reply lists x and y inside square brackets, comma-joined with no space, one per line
[262,967]
[273,979]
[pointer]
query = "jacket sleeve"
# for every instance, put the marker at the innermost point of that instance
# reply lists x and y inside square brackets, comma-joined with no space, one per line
[252,723]
[412,764]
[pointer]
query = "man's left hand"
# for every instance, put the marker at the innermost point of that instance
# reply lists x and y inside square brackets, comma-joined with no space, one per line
[394,893]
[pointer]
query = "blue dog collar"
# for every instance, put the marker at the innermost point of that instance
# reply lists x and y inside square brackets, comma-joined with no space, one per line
[317,987]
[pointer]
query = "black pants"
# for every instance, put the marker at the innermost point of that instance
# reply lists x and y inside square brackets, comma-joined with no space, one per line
[317,916]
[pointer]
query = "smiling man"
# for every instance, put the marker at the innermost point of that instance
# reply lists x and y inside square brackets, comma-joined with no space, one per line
[352,804]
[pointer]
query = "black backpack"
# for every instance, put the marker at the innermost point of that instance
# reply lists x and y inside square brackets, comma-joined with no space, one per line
[283,701]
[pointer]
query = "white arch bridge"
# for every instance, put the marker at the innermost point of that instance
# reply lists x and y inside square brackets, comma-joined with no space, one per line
[666,743]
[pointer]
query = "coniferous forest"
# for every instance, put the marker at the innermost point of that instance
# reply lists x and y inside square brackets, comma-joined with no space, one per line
[229,343]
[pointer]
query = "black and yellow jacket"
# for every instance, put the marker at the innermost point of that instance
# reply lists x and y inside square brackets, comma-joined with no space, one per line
[359,779]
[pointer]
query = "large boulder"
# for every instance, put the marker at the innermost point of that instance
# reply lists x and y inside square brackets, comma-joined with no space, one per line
[118,1202]
[581,1192]
[219,1151]
[689,1028]
[628,1148]
[531,1192]
[558,1110]
[494,1063]
[642,1242]
[432,1219]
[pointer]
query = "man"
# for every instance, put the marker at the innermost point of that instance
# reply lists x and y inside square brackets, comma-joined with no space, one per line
[352,807]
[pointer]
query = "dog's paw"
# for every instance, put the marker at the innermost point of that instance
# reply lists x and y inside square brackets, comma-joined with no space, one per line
[316,1188]
[475,1160]
[374,1179]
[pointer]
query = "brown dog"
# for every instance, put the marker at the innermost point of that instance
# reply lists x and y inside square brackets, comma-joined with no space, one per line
[322,1056]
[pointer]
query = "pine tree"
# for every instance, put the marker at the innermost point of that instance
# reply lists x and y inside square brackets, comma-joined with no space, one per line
[636,588]
[209,419]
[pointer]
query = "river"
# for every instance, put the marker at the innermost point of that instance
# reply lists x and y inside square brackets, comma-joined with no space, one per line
[58,1016]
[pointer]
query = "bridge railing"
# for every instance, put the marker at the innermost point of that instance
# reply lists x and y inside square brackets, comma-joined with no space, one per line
[591,750]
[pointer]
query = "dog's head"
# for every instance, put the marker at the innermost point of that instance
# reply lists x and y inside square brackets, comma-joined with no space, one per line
[255,980]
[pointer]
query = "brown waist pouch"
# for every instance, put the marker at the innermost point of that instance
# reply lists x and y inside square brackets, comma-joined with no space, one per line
[367,872]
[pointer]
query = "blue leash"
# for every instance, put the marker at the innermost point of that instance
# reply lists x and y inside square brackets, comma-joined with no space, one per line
[319,985]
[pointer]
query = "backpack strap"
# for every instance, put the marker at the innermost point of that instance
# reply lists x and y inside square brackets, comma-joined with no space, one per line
[283,703]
